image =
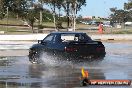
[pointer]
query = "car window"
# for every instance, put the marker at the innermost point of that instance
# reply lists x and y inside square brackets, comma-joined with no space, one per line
[67,37]
[74,37]
[54,39]
[82,37]
[48,38]
[87,37]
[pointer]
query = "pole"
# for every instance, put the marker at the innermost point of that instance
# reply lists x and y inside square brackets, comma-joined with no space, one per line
[7,9]
[54,18]
[40,17]
[74,26]
[68,20]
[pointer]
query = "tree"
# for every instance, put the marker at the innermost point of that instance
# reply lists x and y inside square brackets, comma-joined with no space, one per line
[53,4]
[31,17]
[39,8]
[18,7]
[119,16]
[70,6]
[122,16]
[128,5]
[113,9]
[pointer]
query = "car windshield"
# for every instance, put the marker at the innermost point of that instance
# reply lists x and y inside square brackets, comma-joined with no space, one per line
[75,37]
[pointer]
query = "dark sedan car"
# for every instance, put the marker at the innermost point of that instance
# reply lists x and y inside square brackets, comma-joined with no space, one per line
[75,45]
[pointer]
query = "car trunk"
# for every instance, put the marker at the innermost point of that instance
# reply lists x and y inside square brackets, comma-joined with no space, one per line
[85,48]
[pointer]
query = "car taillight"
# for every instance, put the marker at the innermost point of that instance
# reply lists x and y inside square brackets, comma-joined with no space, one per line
[70,49]
[99,49]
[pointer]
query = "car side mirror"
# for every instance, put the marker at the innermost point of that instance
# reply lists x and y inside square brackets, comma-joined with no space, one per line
[43,42]
[39,41]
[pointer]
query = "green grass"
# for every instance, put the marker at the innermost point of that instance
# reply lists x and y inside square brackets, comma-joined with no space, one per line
[16,30]
[11,21]
[124,32]
[45,24]
[7,29]
[13,30]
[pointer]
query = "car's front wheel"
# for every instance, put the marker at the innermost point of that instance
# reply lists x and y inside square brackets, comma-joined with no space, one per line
[34,56]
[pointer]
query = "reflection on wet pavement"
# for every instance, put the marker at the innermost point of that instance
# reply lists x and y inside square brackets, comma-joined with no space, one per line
[18,72]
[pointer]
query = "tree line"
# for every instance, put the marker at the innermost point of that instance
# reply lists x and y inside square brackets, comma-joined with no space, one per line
[122,15]
[31,10]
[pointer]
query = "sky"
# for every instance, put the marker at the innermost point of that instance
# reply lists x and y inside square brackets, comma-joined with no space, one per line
[100,7]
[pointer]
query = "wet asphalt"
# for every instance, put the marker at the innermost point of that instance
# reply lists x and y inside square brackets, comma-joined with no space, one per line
[17,72]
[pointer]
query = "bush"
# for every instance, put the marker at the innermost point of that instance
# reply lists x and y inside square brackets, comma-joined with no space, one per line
[59,25]
[40,26]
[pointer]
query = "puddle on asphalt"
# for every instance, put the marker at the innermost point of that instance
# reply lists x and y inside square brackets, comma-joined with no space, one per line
[18,72]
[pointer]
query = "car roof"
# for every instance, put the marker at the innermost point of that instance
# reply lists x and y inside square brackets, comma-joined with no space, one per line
[67,33]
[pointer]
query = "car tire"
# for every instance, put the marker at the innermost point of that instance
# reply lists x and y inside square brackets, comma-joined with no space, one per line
[34,59]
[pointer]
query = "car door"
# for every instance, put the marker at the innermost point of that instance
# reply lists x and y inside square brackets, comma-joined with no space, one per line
[47,42]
